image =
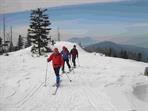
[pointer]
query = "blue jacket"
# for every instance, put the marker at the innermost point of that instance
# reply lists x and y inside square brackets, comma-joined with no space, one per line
[65,54]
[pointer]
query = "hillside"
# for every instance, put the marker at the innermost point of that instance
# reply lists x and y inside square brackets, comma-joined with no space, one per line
[118,48]
[99,83]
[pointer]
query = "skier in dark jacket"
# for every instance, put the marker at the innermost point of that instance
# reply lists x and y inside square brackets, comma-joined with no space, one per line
[66,55]
[74,54]
[57,62]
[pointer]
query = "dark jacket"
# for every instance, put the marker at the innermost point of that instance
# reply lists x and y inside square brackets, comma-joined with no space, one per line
[74,53]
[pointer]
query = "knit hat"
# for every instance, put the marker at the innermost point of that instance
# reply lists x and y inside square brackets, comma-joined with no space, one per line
[56,50]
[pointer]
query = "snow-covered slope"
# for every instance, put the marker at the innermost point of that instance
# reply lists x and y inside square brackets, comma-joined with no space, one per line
[99,83]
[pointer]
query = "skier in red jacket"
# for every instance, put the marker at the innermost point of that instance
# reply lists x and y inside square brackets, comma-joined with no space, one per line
[57,62]
[74,53]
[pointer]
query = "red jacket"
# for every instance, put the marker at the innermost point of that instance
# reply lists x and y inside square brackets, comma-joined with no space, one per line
[57,60]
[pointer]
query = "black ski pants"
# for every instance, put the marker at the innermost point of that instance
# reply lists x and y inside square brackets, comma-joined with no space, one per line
[67,62]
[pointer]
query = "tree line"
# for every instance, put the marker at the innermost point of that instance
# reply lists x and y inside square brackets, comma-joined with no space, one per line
[8,46]
[123,53]
[37,37]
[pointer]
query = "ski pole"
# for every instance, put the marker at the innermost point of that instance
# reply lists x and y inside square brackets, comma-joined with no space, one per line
[70,60]
[68,77]
[46,75]
[78,62]
[73,70]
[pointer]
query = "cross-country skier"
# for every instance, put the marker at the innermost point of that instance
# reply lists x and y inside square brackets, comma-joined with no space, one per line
[66,55]
[57,62]
[74,54]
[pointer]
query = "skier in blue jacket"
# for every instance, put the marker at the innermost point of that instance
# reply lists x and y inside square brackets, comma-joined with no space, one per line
[66,55]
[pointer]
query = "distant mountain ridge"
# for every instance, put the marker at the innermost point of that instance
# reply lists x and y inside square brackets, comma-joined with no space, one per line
[118,48]
[85,41]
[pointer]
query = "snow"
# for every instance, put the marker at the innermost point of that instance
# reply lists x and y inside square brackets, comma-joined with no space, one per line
[99,83]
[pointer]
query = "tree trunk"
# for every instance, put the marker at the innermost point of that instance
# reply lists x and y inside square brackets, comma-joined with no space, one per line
[146,71]
[39,46]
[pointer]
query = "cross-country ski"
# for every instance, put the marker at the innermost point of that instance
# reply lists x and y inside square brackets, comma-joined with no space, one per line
[55,92]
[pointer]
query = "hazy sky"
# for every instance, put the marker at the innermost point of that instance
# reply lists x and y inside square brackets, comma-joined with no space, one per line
[21,5]
[118,21]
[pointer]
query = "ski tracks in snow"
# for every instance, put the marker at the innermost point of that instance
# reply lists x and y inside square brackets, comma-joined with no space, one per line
[97,99]
[28,96]
[82,94]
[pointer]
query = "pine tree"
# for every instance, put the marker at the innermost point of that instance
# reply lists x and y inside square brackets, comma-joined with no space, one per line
[11,47]
[52,42]
[0,41]
[20,42]
[125,55]
[1,47]
[110,52]
[39,29]
[121,55]
[139,58]
[28,42]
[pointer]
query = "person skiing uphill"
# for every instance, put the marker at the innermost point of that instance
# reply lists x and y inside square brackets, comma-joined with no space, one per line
[57,62]
[74,53]
[66,55]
